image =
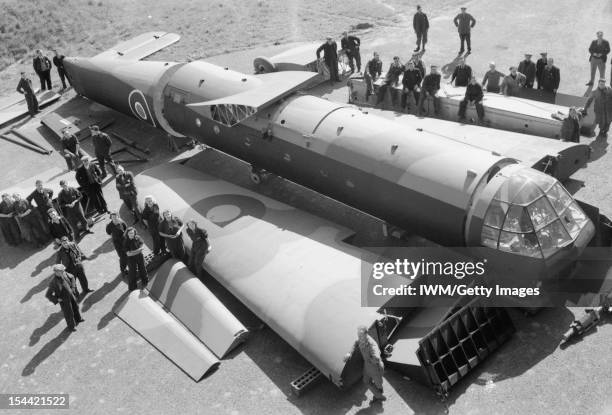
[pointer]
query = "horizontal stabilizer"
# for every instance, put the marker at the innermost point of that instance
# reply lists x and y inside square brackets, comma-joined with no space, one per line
[140,46]
[234,109]
[151,321]
[184,295]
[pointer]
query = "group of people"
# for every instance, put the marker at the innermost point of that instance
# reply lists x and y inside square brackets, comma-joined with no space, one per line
[42,66]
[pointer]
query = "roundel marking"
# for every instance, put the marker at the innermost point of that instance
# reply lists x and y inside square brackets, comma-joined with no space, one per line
[139,106]
[225,209]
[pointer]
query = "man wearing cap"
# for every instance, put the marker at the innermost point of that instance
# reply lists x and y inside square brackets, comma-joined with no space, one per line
[540,65]
[512,82]
[59,227]
[420,23]
[528,68]
[599,50]
[42,67]
[71,256]
[116,229]
[350,45]
[492,79]
[127,191]
[102,148]
[69,200]
[411,83]
[602,98]
[43,197]
[551,77]
[133,245]
[473,93]
[330,56]
[431,86]
[464,23]
[89,177]
[462,74]
[25,87]
[62,289]
[373,70]
[71,149]
[391,79]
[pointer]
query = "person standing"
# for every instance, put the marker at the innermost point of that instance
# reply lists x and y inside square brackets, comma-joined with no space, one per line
[599,50]
[152,217]
[124,181]
[42,67]
[350,45]
[330,57]
[431,86]
[491,80]
[63,291]
[102,148]
[8,223]
[25,87]
[59,228]
[71,256]
[551,77]
[570,128]
[473,93]
[89,177]
[69,200]
[43,197]
[133,245]
[391,80]
[540,65]
[373,365]
[30,222]
[420,23]
[464,23]
[200,246]
[418,64]
[411,83]
[462,74]
[58,61]
[528,68]
[170,228]
[116,229]
[71,149]
[512,82]
[373,70]
[601,97]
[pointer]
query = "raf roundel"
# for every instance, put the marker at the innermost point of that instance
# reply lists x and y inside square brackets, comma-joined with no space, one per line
[139,107]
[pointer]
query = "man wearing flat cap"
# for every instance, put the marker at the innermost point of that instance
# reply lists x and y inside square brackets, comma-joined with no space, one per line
[63,291]
[528,68]
[71,256]
[464,22]
[330,57]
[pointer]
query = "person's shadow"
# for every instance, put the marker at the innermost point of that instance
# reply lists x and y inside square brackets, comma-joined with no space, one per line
[51,322]
[44,265]
[46,351]
[100,293]
[448,69]
[111,313]
[40,287]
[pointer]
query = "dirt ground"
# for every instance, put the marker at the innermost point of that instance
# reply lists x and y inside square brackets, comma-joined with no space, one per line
[108,368]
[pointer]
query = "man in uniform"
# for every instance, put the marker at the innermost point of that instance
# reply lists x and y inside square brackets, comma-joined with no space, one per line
[464,23]
[551,77]
[418,64]
[373,70]
[512,82]
[71,256]
[602,97]
[350,45]
[59,228]
[116,229]
[462,74]
[599,50]
[25,87]
[528,68]
[58,61]
[492,79]
[133,245]
[62,289]
[330,56]
[396,69]
[71,149]
[411,82]
[421,26]
[102,148]
[43,197]
[89,177]
[127,191]
[69,199]
[540,64]
[42,67]
[8,223]
[431,86]
[473,93]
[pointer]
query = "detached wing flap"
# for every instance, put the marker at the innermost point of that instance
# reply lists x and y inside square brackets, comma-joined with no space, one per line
[234,109]
[140,46]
